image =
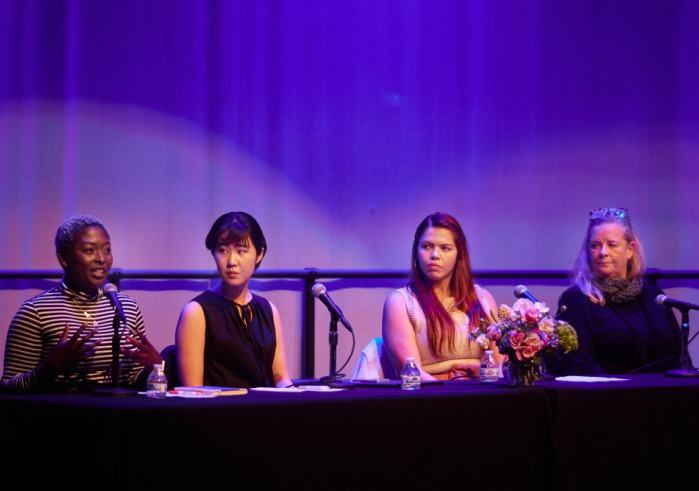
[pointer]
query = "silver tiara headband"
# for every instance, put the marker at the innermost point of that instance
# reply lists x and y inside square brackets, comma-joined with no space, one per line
[601,213]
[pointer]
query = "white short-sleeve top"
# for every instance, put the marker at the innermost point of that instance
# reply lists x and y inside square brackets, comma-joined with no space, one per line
[466,351]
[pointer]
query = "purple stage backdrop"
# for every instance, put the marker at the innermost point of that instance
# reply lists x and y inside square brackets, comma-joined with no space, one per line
[340,125]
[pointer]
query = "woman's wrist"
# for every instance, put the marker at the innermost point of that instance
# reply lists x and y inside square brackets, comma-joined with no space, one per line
[45,372]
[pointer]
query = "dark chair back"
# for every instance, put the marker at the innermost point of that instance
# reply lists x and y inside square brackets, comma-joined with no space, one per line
[169,354]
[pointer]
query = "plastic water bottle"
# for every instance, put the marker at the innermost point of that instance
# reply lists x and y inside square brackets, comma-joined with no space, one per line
[489,367]
[410,375]
[157,382]
[484,364]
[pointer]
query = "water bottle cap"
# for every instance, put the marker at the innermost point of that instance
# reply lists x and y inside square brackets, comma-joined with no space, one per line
[409,359]
[488,352]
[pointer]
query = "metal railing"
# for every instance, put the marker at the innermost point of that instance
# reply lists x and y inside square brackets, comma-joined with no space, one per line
[310,276]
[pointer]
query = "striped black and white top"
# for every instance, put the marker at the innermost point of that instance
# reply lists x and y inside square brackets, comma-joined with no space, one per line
[37,327]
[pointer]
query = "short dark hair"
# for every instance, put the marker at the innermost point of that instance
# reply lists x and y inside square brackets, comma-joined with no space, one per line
[67,230]
[236,227]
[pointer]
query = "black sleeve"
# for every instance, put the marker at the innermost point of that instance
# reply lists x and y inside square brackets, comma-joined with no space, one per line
[576,309]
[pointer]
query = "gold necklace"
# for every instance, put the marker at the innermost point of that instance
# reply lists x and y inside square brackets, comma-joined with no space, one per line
[88,317]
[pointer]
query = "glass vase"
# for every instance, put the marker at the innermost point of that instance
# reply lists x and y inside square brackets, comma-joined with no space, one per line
[521,374]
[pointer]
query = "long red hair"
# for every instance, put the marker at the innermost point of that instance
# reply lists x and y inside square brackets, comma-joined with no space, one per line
[441,331]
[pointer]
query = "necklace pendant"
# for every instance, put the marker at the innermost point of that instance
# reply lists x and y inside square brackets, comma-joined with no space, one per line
[90,318]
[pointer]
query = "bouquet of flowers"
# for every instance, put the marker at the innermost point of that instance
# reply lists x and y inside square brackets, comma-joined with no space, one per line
[525,332]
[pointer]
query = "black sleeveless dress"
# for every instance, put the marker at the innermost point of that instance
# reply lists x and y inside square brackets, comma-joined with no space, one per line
[236,355]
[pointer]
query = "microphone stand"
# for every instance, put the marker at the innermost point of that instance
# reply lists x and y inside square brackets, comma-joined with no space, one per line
[686,370]
[332,338]
[115,390]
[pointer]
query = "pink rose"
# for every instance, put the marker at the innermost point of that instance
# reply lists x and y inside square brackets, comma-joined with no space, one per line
[527,353]
[533,340]
[546,326]
[516,339]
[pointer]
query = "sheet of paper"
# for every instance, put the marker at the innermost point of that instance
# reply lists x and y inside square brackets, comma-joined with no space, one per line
[300,388]
[580,378]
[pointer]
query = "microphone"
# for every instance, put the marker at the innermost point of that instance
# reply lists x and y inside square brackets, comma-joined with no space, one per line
[678,304]
[321,293]
[111,291]
[522,292]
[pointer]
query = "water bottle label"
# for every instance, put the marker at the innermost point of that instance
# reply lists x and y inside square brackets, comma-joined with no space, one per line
[410,382]
[157,390]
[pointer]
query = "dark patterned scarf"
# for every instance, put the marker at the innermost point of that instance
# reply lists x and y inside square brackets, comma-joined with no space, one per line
[619,290]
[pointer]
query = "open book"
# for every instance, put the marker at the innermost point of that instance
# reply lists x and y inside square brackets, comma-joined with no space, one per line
[209,391]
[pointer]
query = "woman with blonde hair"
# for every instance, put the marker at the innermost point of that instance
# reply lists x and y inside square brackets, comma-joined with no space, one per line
[621,329]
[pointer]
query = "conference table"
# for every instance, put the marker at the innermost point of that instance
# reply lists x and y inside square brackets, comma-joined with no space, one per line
[632,434]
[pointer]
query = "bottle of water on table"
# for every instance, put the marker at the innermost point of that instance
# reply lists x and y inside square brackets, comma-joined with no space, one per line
[157,382]
[410,375]
[489,368]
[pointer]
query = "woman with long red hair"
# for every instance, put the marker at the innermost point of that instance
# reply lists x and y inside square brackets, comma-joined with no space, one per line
[430,318]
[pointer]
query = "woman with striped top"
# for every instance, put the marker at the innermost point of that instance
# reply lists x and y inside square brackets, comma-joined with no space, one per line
[61,340]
